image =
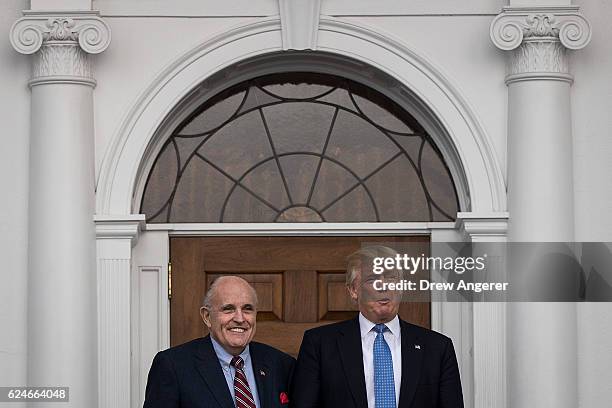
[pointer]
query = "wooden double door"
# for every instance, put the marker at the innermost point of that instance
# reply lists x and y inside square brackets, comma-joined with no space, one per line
[300,283]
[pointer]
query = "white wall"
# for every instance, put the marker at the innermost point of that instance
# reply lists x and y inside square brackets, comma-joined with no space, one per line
[592,122]
[14,142]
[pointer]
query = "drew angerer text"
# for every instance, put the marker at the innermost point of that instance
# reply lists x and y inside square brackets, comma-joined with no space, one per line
[424,284]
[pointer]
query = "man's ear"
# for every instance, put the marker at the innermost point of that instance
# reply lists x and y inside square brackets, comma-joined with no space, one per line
[205,313]
[352,291]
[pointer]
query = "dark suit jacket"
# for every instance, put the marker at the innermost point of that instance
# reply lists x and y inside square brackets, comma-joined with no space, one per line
[329,369]
[190,376]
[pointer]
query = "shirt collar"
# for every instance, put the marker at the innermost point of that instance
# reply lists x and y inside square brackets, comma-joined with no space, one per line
[224,357]
[366,326]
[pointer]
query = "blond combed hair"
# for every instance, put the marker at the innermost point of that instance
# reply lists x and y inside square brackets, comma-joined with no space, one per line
[365,255]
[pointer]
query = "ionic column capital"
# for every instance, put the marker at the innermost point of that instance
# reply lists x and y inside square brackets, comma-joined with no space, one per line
[517,24]
[538,38]
[30,32]
[63,42]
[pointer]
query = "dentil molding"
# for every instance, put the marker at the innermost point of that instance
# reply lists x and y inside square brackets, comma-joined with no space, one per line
[63,43]
[539,38]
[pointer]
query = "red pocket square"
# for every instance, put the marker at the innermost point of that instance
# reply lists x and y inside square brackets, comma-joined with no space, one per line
[284,398]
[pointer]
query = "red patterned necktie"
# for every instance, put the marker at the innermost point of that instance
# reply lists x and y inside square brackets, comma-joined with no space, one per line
[242,392]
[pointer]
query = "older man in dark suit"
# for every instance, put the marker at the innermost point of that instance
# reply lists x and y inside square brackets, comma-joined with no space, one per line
[375,360]
[225,369]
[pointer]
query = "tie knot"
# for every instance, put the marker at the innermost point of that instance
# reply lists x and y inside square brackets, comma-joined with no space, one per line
[237,362]
[380,328]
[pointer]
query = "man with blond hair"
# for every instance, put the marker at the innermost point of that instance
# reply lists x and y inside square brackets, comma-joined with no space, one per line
[375,360]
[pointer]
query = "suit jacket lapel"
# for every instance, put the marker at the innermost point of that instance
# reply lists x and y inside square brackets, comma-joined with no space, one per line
[349,345]
[412,357]
[263,375]
[209,368]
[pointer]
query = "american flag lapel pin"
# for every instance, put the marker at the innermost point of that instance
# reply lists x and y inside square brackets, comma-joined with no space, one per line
[417,346]
[262,373]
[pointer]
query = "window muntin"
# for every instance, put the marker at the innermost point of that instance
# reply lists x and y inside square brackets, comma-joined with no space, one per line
[299,147]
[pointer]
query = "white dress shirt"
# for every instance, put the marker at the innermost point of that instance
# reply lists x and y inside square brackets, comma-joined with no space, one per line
[393,337]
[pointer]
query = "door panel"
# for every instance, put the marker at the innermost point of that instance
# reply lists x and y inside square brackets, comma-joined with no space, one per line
[299,282]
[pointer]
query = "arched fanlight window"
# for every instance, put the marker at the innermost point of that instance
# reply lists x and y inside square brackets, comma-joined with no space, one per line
[299,147]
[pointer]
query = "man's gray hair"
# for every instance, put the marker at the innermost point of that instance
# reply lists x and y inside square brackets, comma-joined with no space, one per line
[210,293]
[207,301]
[365,256]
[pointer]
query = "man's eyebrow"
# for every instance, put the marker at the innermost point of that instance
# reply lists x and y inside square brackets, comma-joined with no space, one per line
[228,306]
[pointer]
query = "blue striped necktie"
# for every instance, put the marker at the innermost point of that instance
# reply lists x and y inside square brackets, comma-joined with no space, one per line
[384,385]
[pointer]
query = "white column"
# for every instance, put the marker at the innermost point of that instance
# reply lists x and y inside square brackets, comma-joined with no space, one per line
[489,318]
[62,323]
[116,237]
[541,337]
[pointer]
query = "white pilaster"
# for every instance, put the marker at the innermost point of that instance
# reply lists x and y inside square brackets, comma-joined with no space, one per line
[541,337]
[489,318]
[115,238]
[62,335]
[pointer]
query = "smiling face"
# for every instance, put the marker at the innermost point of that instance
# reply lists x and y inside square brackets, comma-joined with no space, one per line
[378,306]
[231,313]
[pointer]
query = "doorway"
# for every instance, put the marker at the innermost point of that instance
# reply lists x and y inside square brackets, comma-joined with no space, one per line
[300,283]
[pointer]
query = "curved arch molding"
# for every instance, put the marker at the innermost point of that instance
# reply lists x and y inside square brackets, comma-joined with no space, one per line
[121,166]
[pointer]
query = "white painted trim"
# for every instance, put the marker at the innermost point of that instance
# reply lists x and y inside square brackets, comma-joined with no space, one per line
[488,319]
[62,79]
[122,165]
[115,237]
[454,319]
[489,359]
[539,76]
[150,307]
[302,229]
[118,227]
[484,226]
[308,62]
[114,339]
